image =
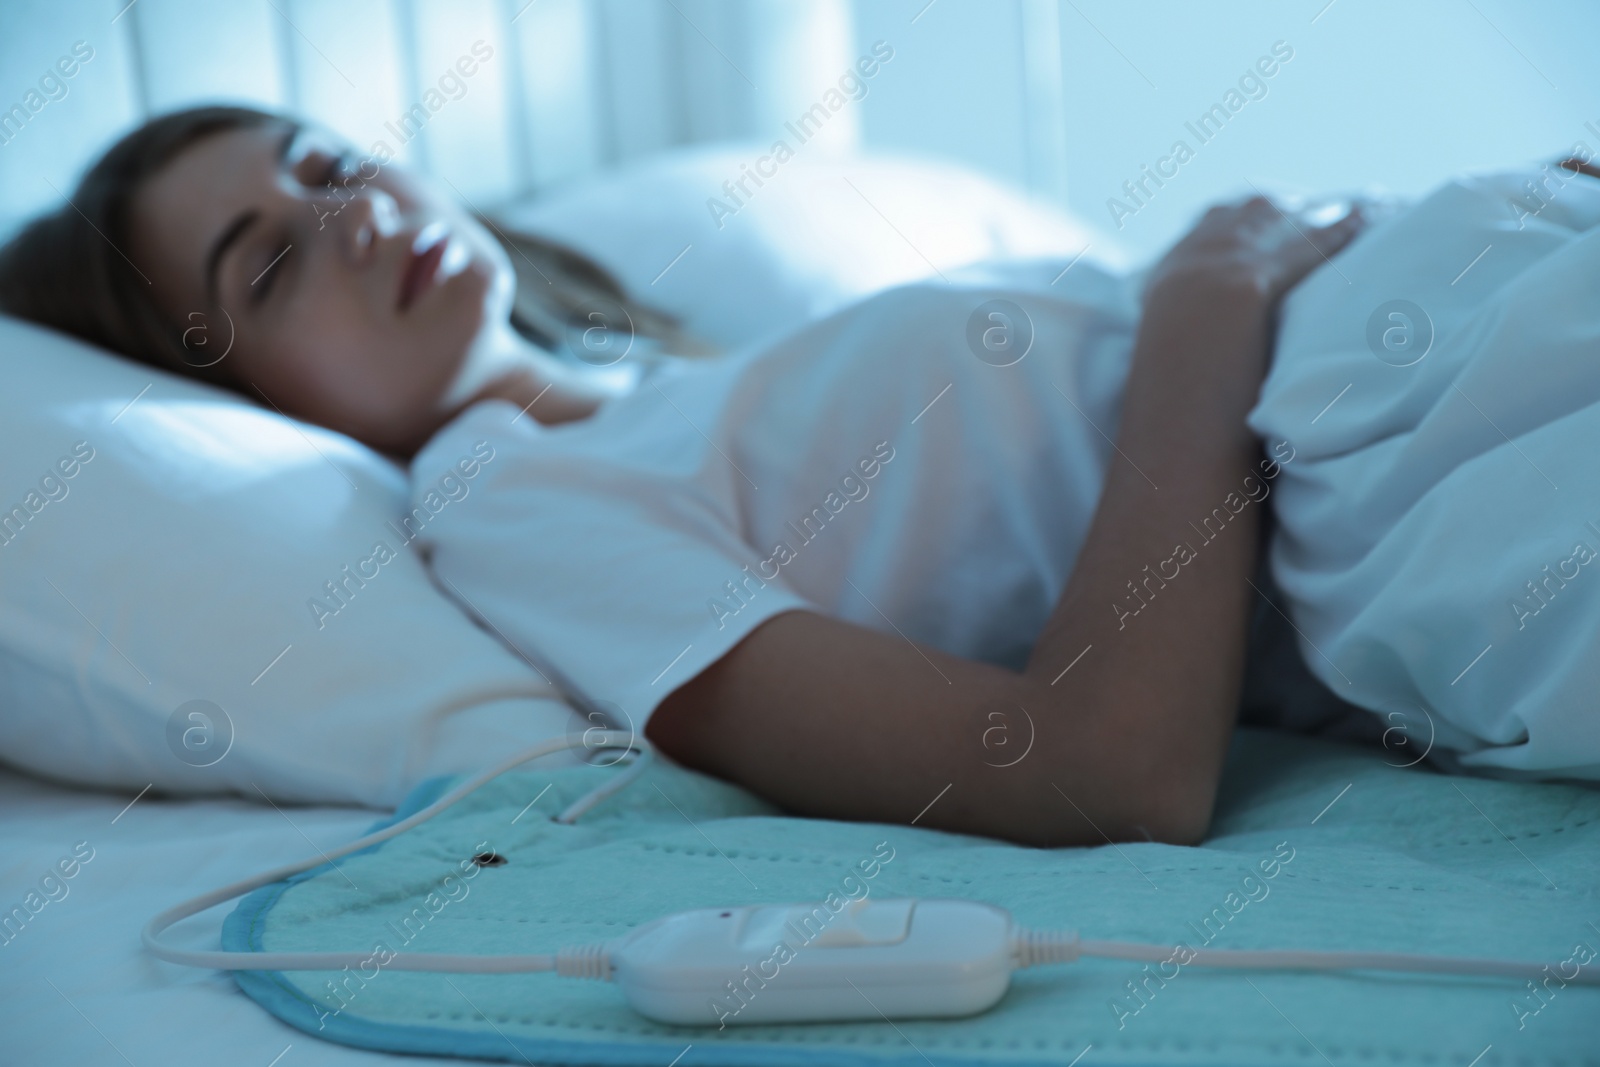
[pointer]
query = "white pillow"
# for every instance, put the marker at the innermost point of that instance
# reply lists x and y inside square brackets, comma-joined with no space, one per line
[161,542]
[820,233]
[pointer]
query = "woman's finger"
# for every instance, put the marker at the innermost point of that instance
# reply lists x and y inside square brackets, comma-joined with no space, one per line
[1329,238]
[1575,165]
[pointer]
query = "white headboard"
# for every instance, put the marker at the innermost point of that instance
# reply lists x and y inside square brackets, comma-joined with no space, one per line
[557,88]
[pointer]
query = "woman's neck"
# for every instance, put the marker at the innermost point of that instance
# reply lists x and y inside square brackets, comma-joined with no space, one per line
[551,391]
[506,366]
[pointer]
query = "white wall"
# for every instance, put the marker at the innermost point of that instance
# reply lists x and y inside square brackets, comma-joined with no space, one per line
[1068,98]
[1379,92]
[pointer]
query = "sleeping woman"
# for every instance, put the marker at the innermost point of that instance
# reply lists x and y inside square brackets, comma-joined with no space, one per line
[863,570]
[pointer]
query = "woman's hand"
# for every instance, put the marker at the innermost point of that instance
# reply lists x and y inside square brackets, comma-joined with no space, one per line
[1253,249]
[1211,300]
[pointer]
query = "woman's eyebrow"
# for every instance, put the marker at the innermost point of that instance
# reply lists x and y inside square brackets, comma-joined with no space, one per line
[239,225]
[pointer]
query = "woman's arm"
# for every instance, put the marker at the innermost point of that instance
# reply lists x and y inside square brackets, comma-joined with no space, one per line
[830,719]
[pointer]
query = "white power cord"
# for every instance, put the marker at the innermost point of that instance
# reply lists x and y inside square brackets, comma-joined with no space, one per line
[405,961]
[1032,952]
[868,959]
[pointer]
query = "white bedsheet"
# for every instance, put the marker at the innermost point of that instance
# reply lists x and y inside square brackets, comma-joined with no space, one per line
[75,986]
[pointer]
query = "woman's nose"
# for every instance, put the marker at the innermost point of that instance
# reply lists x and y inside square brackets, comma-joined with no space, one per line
[368,218]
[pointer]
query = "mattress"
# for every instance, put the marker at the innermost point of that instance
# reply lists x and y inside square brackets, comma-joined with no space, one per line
[76,986]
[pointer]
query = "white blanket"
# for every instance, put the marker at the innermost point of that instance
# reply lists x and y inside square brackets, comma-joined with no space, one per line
[1439,382]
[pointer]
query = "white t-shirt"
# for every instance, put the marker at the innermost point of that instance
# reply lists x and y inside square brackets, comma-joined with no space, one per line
[869,466]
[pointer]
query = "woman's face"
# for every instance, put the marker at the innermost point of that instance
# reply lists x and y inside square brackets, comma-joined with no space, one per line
[352,293]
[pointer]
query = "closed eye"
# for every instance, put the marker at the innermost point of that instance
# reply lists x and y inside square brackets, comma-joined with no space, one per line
[263,281]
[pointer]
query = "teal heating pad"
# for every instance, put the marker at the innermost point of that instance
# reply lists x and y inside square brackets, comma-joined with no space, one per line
[1315,846]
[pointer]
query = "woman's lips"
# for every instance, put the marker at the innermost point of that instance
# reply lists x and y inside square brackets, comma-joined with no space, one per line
[422,263]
